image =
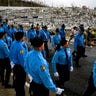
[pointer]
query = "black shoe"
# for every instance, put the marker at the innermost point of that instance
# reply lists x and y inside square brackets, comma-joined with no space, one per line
[78,66]
[74,58]
[8,86]
[73,55]
[0,80]
[48,56]
[3,83]
[84,56]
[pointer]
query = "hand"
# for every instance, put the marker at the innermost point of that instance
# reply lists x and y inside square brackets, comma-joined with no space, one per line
[59,91]
[56,74]
[71,68]
[12,64]
[30,78]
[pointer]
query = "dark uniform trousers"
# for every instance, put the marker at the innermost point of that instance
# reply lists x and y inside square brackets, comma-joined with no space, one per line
[90,89]
[38,89]
[5,65]
[46,48]
[64,75]
[19,78]
[79,54]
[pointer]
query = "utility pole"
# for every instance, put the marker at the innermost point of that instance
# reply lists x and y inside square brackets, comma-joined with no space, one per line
[8,3]
[31,3]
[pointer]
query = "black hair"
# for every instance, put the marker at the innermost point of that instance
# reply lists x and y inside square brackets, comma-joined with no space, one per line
[81,27]
[32,26]
[63,42]
[37,42]
[57,29]
[74,27]
[19,35]
[1,34]
[45,27]
[63,25]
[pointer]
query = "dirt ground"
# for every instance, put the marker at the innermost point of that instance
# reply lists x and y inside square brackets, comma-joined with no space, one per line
[79,78]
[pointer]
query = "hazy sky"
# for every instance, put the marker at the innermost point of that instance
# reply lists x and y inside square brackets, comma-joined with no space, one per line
[89,3]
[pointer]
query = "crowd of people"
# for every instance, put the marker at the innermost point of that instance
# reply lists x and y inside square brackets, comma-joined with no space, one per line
[17,57]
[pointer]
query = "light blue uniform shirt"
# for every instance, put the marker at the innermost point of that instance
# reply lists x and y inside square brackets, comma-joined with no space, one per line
[5,27]
[78,40]
[8,41]
[31,34]
[60,58]
[94,73]
[13,31]
[17,53]
[22,30]
[38,68]
[56,40]
[1,29]
[24,43]
[62,33]
[4,51]
[45,35]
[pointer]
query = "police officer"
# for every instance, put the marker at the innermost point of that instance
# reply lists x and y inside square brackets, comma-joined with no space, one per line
[8,40]
[62,31]
[13,30]
[17,55]
[21,29]
[4,61]
[46,36]
[1,27]
[79,45]
[62,64]
[5,26]
[91,82]
[38,68]
[56,40]
[31,33]
[37,30]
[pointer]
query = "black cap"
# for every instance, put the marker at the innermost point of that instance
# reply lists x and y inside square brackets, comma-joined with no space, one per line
[37,42]
[57,29]
[81,27]
[19,35]
[45,27]
[63,26]
[63,42]
[32,26]
[1,34]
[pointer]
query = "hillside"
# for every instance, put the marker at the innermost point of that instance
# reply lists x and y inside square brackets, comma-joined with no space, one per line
[20,3]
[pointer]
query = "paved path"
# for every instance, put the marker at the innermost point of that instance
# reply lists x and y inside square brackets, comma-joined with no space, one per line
[78,80]
[79,77]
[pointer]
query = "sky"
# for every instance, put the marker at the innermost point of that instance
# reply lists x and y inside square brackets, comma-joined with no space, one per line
[67,3]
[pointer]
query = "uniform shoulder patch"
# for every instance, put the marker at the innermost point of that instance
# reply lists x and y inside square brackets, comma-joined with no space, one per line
[42,68]
[21,51]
